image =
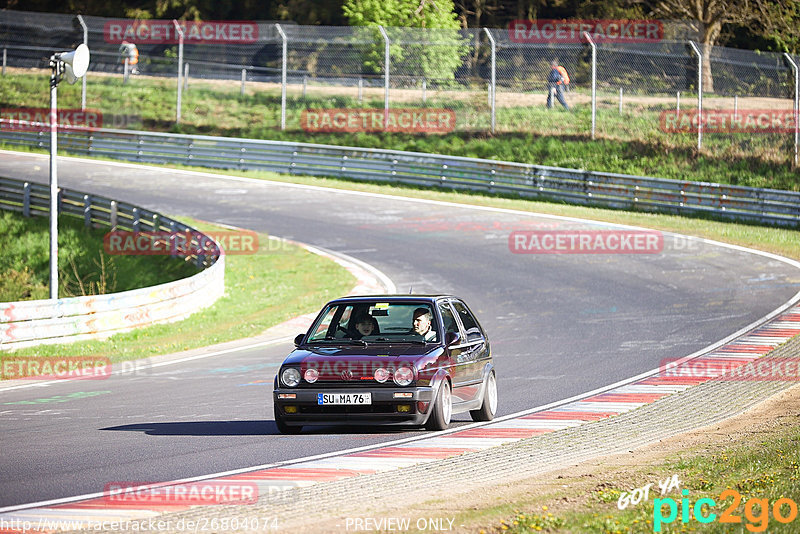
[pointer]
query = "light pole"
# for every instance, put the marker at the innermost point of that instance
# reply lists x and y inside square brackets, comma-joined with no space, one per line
[69,66]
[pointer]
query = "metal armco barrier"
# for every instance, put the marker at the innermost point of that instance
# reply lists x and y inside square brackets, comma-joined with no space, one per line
[34,322]
[641,193]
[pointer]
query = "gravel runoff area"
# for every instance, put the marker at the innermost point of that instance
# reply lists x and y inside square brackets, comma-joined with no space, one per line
[320,508]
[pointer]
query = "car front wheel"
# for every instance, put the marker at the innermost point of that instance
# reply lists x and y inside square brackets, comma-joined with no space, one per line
[489,407]
[442,409]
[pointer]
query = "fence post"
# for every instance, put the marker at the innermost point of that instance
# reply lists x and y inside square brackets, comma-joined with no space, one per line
[186,76]
[83,78]
[360,90]
[793,63]
[180,69]
[244,77]
[305,85]
[594,81]
[387,64]
[620,100]
[696,50]
[493,86]
[424,91]
[5,57]
[284,53]
[678,104]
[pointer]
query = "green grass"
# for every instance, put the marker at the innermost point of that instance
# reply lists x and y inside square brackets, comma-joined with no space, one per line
[261,290]
[84,268]
[768,469]
[631,142]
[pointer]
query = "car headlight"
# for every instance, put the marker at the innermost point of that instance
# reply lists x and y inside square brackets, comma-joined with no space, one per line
[381,375]
[290,377]
[403,376]
[311,375]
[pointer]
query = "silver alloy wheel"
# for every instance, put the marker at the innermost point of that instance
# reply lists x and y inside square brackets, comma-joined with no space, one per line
[447,403]
[491,394]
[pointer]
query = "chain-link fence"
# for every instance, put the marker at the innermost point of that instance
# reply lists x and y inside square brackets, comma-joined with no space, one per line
[400,79]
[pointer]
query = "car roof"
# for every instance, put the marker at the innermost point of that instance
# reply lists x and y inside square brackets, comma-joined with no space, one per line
[392,298]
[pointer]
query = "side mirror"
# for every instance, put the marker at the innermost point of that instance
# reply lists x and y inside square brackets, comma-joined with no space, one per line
[452,338]
[299,339]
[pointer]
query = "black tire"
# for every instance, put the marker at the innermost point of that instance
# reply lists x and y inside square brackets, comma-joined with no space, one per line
[489,407]
[283,428]
[442,408]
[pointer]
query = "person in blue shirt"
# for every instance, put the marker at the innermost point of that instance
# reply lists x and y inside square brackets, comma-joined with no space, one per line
[555,85]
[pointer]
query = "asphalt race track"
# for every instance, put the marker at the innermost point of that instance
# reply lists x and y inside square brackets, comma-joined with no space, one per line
[560,325]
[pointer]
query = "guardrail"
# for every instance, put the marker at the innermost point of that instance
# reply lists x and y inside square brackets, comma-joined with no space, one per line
[766,206]
[34,322]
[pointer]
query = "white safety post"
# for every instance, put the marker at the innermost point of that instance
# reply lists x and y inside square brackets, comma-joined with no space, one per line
[179,30]
[86,42]
[594,81]
[699,55]
[284,54]
[387,63]
[493,83]
[793,63]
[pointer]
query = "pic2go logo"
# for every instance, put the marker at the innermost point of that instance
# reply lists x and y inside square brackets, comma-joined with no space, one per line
[756,511]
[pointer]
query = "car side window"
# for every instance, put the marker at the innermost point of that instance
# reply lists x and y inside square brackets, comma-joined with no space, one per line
[471,327]
[450,324]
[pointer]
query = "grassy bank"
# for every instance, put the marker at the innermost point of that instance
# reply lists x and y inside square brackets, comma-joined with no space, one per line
[84,268]
[261,290]
[630,142]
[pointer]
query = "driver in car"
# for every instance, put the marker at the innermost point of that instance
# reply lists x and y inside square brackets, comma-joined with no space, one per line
[422,324]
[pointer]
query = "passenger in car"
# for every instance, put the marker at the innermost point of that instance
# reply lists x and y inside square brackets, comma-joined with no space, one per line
[422,324]
[365,325]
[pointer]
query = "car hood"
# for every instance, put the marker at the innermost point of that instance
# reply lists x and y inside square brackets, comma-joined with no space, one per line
[374,353]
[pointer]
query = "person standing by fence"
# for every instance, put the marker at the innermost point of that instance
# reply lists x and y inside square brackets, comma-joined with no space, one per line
[556,81]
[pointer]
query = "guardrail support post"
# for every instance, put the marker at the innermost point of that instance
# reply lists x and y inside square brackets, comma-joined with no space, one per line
[87,210]
[386,69]
[699,55]
[493,84]
[83,78]
[179,30]
[594,81]
[26,200]
[793,63]
[113,216]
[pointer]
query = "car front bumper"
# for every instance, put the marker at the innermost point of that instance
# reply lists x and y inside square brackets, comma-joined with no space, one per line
[385,408]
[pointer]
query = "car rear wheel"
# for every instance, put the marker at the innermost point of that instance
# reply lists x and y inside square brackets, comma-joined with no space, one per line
[442,409]
[283,428]
[489,407]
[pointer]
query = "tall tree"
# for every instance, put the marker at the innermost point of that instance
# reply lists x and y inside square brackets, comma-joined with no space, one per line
[438,59]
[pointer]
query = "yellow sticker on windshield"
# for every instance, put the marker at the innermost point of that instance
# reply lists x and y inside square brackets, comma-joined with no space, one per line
[381,306]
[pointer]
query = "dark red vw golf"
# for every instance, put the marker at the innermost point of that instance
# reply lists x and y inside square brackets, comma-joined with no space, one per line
[393,359]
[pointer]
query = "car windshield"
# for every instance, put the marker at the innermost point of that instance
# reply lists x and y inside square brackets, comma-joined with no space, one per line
[376,321]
